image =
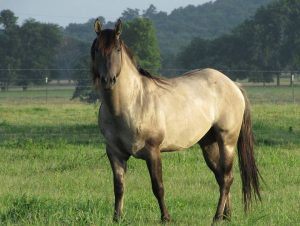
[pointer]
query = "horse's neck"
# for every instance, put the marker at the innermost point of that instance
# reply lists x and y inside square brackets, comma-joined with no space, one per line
[128,86]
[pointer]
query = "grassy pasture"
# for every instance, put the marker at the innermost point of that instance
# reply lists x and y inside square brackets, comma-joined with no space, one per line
[53,170]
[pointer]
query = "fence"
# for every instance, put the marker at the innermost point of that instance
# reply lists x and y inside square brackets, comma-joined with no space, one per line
[265,86]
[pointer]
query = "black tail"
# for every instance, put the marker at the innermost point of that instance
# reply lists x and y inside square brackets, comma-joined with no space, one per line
[248,169]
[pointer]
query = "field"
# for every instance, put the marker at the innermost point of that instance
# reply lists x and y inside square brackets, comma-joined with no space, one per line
[53,168]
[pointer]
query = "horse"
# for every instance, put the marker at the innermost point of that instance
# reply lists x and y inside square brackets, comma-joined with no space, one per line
[142,115]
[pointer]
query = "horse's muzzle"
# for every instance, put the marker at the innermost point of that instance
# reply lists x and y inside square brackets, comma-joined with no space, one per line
[108,82]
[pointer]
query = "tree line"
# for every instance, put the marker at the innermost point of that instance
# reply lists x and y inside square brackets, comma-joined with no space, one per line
[270,41]
[33,51]
[175,31]
[30,46]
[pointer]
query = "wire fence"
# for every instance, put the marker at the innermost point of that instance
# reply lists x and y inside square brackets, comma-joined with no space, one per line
[271,86]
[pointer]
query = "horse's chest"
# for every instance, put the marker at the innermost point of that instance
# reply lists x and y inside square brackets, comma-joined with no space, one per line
[130,139]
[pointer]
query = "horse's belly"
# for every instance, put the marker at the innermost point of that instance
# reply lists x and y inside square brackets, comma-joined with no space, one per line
[182,137]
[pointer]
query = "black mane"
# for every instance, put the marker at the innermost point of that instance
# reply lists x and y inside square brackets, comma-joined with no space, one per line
[144,72]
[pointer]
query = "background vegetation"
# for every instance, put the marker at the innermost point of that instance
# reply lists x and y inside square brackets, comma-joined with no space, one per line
[269,43]
[30,46]
[209,35]
[177,29]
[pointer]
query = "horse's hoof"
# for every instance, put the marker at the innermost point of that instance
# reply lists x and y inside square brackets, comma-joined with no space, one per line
[227,217]
[116,218]
[165,219]
[216,220]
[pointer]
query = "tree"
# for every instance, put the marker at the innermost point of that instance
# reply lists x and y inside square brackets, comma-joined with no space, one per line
[130,14]
[270,41]
[31,46]
[39,46]
[82,32]
[70,52]
[195,55]
[151,12]
[139,35]
[84,87]
[9,48]
[8,20]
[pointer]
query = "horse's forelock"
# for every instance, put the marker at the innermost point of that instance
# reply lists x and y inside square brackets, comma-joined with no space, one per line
[107,41]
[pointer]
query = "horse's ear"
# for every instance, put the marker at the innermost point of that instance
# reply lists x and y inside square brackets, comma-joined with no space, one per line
[118,28]
[97,26]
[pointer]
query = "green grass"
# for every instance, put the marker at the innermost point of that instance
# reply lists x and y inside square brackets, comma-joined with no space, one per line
[53,171]
[42,94]
[274,95]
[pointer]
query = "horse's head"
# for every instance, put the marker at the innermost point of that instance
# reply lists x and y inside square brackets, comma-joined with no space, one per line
[106,55]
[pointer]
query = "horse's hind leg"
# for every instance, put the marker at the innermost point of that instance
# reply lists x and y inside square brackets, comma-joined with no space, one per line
[227,140]
[223,172]
[225,179]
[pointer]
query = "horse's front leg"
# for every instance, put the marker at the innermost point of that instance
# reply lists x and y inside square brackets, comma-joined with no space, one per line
[118,165]
[154,165]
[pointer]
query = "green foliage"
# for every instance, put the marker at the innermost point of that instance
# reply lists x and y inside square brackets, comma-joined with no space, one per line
[9,48]
[8,20]
[206,21]
[42,41]
[270,41]
[82,32]
[177,29]
[71,52]
[139,36]
[130,14]
[84,88]
[32,45]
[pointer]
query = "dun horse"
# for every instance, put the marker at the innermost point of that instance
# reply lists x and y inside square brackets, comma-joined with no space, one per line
[142,116]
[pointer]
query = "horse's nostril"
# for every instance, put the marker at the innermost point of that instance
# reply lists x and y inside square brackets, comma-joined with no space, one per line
[104,80]
[108,80]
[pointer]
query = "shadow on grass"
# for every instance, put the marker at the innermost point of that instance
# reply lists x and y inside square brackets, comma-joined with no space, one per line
[32,210]
[47,137]
[267,134]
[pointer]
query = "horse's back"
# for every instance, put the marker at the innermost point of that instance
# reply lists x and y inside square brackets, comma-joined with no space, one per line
[213,84]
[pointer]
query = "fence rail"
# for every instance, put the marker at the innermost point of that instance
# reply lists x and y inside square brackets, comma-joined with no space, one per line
[258,76]
[282,86]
